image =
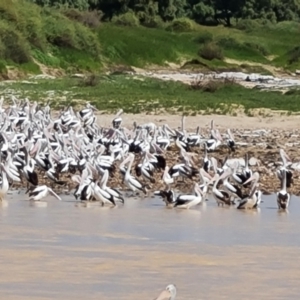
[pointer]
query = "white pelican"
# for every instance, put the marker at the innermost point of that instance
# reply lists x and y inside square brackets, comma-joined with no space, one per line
[168,197]
[168,180]
[232,188]
[117,119]
[206,161]
[169,293]
[257,193]
[187,201]
[205,179]
[113,192]
[250,201]
[230,141]
[283,197]
[102,196]
[242,177]
[215,139]
[41,192]
[288,173]
[4,185]
[222,197]
[131,182]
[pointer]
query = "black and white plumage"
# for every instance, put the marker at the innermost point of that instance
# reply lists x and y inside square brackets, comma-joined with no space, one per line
[252,200]
[40,192]
[232,188]
[188,201]
[117,195]
[117,121]
[168,197]
[206,161]
[284,170]
[131,182]
[230,140]
[283,197]
[222,197]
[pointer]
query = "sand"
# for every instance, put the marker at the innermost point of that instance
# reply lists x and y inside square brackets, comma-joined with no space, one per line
[221,121]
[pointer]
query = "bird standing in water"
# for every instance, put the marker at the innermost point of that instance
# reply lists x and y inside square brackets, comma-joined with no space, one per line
[169,293]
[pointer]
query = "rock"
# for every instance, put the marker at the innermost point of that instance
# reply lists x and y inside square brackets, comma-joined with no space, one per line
[297,72]
[42,76]
[253,161]
[28,82]
[77,75]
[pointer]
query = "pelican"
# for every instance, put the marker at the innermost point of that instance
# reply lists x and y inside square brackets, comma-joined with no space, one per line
[4,186]
[168,180]
[117,119]
[250,201]
[168,197]
[257,193]
[206,161]
[222,197]
[213,143]
[113,192]
[230,141]
[232,188]
[187,201]
[102,196]
[169,293]
[283,169]
[283,197]
[131,182]
[41,192]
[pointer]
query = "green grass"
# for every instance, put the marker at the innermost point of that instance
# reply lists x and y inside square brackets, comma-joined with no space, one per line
[139,46]
[151,95]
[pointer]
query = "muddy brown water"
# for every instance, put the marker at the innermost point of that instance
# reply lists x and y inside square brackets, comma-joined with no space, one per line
[66,250]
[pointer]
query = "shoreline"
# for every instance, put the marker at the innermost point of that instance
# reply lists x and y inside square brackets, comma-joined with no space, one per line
[241,121]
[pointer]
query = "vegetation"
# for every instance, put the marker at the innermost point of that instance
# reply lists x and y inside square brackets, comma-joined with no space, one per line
[201,11]
[140,94]
[64,34]
[96,35]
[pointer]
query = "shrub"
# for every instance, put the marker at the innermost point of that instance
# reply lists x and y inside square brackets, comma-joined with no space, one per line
[182,25]
[61,32]
[247,25]
[211,51]
[211,86]
[155,22]
[8,11]
[88,18]
[204,37]
[294,55]
[15,46]
[89,80]
[127,19]
[257,47]
[228,42]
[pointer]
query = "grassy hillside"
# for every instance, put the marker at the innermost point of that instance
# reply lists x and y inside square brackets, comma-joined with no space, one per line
[72,40]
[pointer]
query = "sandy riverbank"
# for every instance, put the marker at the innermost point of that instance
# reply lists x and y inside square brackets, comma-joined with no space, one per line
[221,121]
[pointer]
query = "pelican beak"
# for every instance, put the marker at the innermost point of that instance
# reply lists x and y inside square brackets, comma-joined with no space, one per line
[287,157]
[249,180]
[213,179]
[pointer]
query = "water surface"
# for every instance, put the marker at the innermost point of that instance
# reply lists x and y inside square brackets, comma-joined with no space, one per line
[64,250]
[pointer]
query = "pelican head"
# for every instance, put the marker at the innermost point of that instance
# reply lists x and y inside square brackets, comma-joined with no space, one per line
[285,158]
[172,289]
[169,293]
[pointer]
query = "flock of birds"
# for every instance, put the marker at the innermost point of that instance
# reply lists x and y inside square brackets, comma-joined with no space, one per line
[33,142]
